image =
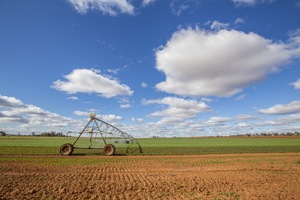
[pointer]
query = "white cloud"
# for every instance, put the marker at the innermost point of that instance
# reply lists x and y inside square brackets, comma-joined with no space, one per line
[241,97]
[125,105]
[7,117]
[215,25]
[144,85]
[243,125]
[205,99]
[290,119]
[8,102]
[147,2]
[217,121]
[268,123]
[294,40]
[139,120]
[245,117]
[82,113]
[178,109]
[250,2]
[73,98]
[296,84]
[91,81]
[244,2]
[179,6]
[27,109]
[113,71]
[283,124]
[279,109]
[124,102]
[202,63]
[111,7]
[107,118]
[239,21]
[31,118]
[110,118]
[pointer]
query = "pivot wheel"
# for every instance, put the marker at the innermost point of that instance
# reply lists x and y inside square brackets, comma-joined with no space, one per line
[66,149]
[109,150]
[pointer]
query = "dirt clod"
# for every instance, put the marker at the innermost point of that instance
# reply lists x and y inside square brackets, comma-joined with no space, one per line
[253,176]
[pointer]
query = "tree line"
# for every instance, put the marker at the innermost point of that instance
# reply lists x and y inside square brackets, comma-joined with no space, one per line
[46,134]
[296,133]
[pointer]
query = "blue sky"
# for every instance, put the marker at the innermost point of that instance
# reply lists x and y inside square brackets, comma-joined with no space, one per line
[150,67]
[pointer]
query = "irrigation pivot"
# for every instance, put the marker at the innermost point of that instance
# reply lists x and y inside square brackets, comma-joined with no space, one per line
[101,135]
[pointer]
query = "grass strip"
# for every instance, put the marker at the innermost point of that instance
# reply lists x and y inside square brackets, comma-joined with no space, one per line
[27,150]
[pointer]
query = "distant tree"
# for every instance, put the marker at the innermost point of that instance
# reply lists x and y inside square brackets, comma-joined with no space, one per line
[59,134]
[51,134]
[289,134]
[2,133]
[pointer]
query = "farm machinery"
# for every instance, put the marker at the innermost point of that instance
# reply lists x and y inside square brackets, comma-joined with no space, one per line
[100,135]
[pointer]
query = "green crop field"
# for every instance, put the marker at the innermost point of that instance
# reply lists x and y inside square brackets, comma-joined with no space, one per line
[27,145]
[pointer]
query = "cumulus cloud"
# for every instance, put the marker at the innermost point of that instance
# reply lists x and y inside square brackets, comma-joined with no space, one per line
[7,117]
[220,63]
[282,124]
[178,109]
[14,109]
[290,119]
[30,116]
[139,120]
[269,123]
[110,117]
[213,121]
[107,118]
[245,117]
[280,109]
[124,102]
[296,84]
[91,81]
[8,102]
[111,7]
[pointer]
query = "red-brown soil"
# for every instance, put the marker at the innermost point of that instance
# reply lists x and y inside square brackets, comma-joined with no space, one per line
[250,176]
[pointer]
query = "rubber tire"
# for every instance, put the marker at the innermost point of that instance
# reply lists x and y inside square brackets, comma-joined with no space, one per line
[109,150]
[66,149]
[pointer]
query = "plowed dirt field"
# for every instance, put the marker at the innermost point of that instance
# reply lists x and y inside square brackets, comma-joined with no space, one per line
[248,176]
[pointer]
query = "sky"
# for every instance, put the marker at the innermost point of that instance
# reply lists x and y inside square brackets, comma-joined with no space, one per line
[178,68]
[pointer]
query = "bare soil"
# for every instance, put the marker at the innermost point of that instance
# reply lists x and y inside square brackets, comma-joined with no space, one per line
[247,176]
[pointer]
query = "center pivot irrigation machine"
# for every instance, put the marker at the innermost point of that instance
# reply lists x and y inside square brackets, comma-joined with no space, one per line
[101,135]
